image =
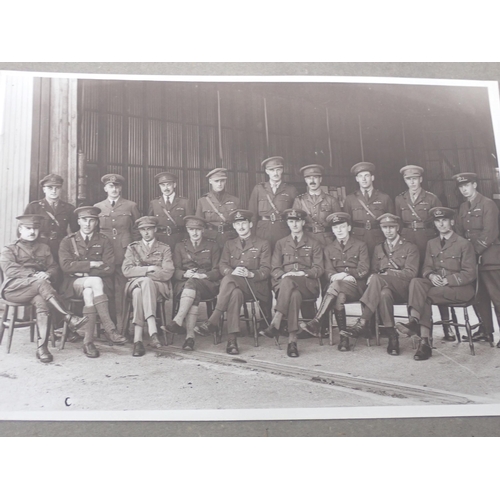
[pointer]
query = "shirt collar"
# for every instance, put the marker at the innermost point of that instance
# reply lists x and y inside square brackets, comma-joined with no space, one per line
[275,185]
[89,236]
[370,191]
[395,242]
[116,201]
[169,197]
[149,244]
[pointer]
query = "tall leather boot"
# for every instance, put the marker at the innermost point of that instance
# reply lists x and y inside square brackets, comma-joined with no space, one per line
[314,326]
[340,317]
[393,346]
[74,322]
[101,304]
[42,352]
[89,348]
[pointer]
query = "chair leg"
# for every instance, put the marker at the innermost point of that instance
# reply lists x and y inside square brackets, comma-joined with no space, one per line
[254,325]
[11,328]
[52,335]
[377,331]
[218,336]
[469,331]
[163,320]
[455,321]
[330,325]
[247,317]
[3,320]
[32,324]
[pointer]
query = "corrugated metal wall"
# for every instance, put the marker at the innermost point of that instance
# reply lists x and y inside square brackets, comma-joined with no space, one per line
[16,101]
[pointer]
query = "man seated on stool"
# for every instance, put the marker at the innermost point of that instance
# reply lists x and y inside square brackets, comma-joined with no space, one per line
[245,263]
[197,275]
[394,264]
[28,268]
[88,263]
[448,274]
[346,265]
[148,266]
[297,264]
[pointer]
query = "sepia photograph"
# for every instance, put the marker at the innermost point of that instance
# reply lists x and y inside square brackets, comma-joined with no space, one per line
[237,248]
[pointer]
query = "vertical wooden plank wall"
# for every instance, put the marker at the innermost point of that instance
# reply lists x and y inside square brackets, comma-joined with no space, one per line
[16,115]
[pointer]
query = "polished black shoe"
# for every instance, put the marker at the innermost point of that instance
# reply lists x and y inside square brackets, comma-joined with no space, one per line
[408,329]
[139,349]
[174,329]
[359,328]
[393,346]
[232,347]
[205,329]
[154,341]
[90,350]
[292,350]
[270,332]
[75,322]
[114,337]
[73,337]
[43,354]
[449,338]
[344,344]
[312,327]
[188,344]
[424,351]
[478,336]
[498,344]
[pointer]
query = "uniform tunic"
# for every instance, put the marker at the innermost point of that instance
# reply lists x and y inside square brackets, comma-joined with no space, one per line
[117,224]
[52,232]
[306,256]
[457,262]
[205,259]
[400,266]
[477,221]
[317,209]
[168,231]
[219,229]
[364,226]
[419,228]
[263,212]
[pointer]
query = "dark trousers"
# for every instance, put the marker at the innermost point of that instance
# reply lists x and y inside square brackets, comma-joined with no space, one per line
[488,292]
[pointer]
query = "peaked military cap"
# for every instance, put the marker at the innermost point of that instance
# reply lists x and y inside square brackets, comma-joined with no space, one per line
[52,180]
[363,166]
[388,220]
[88,212]
[273,162]
[113,178]
[411,171]
[30,220]
[465,177]
[217,174]
[236,215]
[338,218]
[312,170]
[146,221]
[195,222]
[294,214]
[442,213]
[165,177]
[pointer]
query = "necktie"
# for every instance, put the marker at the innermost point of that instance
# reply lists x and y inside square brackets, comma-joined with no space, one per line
[243,243]
[113,203]
[169,204]
[87,240]
[367,196]
[296,239]
[342,244]
[443,242]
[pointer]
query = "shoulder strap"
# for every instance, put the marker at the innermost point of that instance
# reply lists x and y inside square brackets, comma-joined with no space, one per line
[50,215]
[391,261]
[366,208]
[413,211]
[75,248]
[272,204]
[215,209]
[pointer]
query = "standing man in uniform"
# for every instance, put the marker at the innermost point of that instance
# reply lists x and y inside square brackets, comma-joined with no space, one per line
[87,261]
[366,205]
[297,263]
[449,273]
[317,204]
[29,270]
[346,267]
[149,267]
[245,264]
[269,200]
[395,263]
[117,219]
[413,207]
[197,276]
[170,209]
[58,215]
[215,207]
[477,221]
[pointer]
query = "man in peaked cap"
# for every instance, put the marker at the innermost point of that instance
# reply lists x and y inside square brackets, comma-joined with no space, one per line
[413,206]
[149,267]
[269,199]
[197,277]
[346,267]
[88,263]
[58,215]
[366,205]
[29,271]
[449,273]
[170,209]
[317,204]
[215,207]
[245,263]
[395,263]
[297,263]
[117,219]
[477,221]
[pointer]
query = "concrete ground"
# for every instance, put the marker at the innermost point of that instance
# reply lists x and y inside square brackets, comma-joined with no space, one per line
[260,377]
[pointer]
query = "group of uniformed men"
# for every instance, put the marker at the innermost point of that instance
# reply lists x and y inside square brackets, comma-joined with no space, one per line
[414,252]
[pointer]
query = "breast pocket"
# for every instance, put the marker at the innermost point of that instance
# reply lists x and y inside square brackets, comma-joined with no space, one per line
[475,220]
[451,261]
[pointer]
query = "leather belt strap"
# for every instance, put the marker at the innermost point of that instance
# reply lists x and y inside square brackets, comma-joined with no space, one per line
[170,230]
[368,225]
[272,219]
[315,229]
[415,224]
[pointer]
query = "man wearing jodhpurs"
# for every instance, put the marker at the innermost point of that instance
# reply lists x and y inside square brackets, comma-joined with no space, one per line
[29,268]
[395,263]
